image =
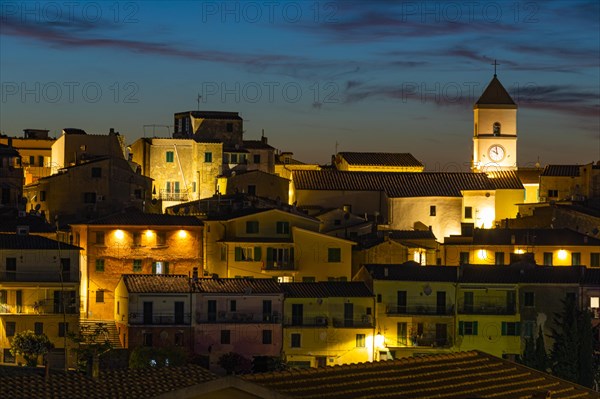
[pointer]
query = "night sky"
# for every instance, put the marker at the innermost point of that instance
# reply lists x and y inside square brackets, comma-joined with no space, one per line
[365,76]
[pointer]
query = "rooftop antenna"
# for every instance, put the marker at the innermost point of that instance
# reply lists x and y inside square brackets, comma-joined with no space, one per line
[198,100]
[495,64]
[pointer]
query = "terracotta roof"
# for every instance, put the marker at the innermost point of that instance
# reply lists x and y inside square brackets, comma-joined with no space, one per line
[326,289]
[380,159]
[505,179]
[401,236]
[22,383]
[17,241]
[36,224]
[561,170]
[411,271]
[531,237]
[133,217]
[237,286]
[495,94]
[529,175]
[395,184]
[454,375]
[156,283]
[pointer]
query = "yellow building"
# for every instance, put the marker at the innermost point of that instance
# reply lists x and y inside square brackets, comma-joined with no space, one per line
[550,247]
[132,242]
[35,149]
[39,283]
[570,182]
[328,324]
[377,162]
[415,309]
[11,177]
[274,243]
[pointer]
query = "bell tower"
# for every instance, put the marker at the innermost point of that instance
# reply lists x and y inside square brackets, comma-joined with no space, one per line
[494,129]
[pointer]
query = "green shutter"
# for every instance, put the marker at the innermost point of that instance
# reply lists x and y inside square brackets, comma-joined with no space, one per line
[153,267]
[257,254]
[461,327]
[474,328]
[238,254]
[503,328]
[166,271]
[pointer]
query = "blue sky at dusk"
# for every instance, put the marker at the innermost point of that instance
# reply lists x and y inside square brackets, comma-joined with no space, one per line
[369,76]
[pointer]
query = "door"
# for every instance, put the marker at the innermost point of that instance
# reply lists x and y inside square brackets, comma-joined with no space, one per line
[267,311]
[441,302]
[297,314]
[179,319]
[212,310]
[147,312]
[401,302]
[348,315]
[441,334]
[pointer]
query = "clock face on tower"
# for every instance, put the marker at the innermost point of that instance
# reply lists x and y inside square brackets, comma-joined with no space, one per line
[496,153]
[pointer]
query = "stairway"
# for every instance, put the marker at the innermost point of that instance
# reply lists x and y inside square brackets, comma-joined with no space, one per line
[88,326]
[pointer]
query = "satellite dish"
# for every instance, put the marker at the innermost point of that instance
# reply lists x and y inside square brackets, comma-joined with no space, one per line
[427,290]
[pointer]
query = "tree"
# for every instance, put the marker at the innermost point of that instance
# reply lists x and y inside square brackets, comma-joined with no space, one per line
[30,345]
[572,352]
[91,345]
[534,355]
[234,363]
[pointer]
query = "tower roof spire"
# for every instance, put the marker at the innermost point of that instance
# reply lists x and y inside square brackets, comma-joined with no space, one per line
[495,95]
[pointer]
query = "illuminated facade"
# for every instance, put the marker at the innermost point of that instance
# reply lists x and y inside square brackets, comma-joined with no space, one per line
[132,242]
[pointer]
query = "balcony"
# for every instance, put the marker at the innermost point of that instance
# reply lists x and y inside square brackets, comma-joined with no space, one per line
[365,321]
[37,309]
[488,308]
[424,341]
[307,321]
[420,309]
[277,266]
[237,317]
[159,319]
[173,196]
[25,276]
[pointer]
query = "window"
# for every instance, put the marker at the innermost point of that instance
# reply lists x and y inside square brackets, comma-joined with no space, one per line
[100,237]
[252,227]
[160,267]
[308,279]
[499,258]
[267,337]
[548,258]
[334,255]
[225,337]
[161,238]
[402,333]
[432,210]
[283,227]
[11,327]
[234,158]
[467,328]
[208,157]
[594,302]
[360,340]
[247,254]
[99,265]
[137,265]
[256,158]
[42,196]
[595,259]
[89,198]
[9,357]
[11,269]
[137,239]
[529,299]
[96,172]
[379,298]
[147,339]
[63,328]
[464,258]
[38,328]
[511,329]
[233,305]
[468,212]
[31,160]
[497,128]
[194,188]
[100,296]
[528,329]
[170,156]
[251,189]
[223,252]
[552,193]
[296,340]
[229,127]
[576,258]
[118,307]
[468,297]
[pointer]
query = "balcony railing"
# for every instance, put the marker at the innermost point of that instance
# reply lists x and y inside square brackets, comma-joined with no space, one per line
[173,196]
[420,309]
[36,309]
[275,266]
[237,317]
[307,321]
[24,276]
[160,318]
[488,308]
[365,321]
[424,341]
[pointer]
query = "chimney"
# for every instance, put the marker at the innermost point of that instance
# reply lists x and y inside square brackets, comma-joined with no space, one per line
[195,273]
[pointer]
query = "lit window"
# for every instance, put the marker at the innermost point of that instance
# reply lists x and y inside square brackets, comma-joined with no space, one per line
[360,340]
[595,302]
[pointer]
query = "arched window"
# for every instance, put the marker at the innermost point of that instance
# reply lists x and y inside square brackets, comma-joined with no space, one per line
[497,128]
